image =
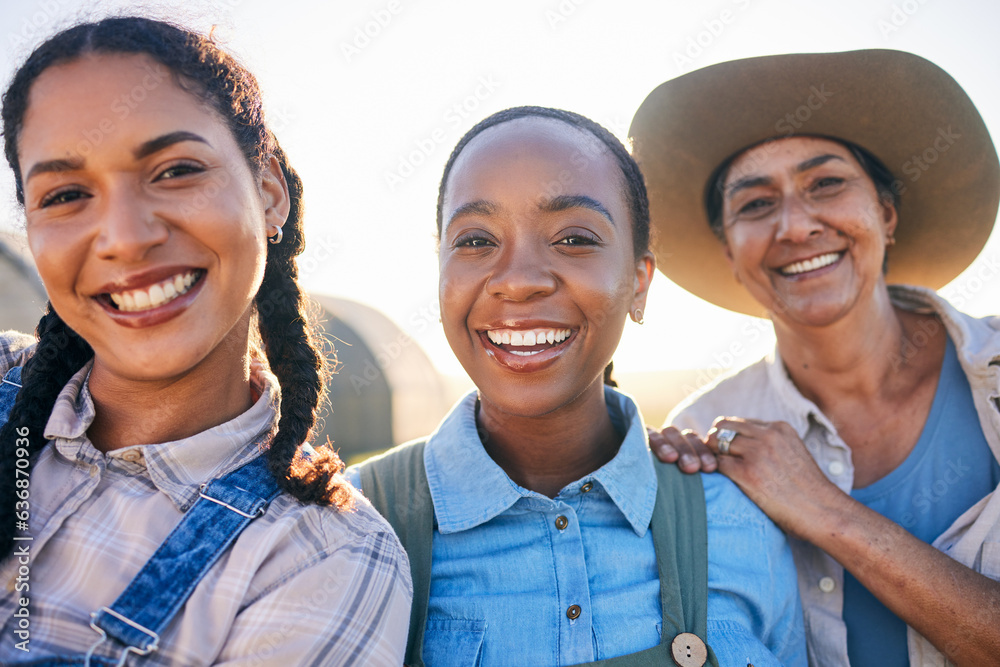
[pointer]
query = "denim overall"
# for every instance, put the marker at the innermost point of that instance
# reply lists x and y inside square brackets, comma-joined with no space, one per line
[133,622]
[679,534]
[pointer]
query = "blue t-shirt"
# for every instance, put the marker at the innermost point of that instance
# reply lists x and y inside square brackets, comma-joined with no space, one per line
[942,477]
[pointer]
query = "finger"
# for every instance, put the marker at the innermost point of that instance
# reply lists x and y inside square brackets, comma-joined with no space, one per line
[732,429]
[660,445]
[686,456]
[701,450]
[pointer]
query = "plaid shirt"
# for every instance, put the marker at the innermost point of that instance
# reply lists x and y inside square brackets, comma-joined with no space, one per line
[302,585]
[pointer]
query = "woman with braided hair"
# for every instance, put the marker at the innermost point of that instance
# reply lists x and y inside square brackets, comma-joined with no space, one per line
[158,486]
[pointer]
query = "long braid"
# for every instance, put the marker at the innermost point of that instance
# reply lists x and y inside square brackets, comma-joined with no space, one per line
[60,353]
[293,352]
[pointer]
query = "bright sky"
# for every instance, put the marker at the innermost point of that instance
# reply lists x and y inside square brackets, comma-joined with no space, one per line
[369,97]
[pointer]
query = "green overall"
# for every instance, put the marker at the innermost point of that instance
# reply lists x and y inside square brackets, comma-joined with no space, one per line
[679,537]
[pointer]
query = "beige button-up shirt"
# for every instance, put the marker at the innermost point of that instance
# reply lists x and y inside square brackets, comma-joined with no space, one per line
[764,391]
[302,585]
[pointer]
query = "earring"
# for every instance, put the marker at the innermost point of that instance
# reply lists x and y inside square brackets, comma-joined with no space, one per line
[891,241]
[637,316]
[276,239]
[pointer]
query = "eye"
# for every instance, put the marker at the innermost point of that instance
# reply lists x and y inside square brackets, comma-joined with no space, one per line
[754,207]
[578,240]
[474,240]
[827,182]
[178,170]
[63,196]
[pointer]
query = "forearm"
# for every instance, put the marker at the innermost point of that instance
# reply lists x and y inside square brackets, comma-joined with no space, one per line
[954,607]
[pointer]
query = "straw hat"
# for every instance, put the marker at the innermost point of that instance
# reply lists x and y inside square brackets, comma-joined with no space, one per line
[904,109]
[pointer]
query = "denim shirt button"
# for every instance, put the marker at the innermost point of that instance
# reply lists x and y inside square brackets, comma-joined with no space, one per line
[587,487]
[573,612]
[561,522]
[827,584]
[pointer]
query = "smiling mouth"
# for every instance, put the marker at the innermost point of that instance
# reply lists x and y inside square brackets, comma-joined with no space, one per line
[527,342]
[155,295]
[810,264]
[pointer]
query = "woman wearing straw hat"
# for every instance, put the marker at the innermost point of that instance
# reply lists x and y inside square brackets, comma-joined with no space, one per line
[872,433]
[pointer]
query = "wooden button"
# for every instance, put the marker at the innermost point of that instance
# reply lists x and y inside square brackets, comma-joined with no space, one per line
[587,487]
[573,612]
[688,650]
[561,522]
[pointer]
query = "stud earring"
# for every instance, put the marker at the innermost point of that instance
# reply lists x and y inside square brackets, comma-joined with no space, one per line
[637,316]
[891,241]
[276,239]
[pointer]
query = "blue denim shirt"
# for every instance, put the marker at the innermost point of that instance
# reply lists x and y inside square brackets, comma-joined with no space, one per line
[505,574]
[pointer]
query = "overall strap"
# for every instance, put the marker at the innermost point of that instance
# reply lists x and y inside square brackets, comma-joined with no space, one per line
[396,484]
[680,537]
[152,599]
[9,386]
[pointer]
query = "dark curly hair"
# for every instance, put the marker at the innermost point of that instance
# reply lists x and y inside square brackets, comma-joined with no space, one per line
[291,346]
[633,183]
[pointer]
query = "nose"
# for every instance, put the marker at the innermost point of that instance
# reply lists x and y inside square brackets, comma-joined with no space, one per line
[127,227]
[521,273]
[797,221]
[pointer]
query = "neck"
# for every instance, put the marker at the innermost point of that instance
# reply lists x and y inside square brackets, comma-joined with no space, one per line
[547,452]
[860,355]
[133,412]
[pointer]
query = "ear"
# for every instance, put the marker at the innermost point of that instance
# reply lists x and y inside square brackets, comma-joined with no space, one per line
[889,217]
[274,193]
[644,268]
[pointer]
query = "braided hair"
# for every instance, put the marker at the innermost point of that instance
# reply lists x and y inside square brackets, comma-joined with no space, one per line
[633,184]
[290,344]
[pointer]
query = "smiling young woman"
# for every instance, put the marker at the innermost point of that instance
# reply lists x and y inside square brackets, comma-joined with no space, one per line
[164,411]
[538,528]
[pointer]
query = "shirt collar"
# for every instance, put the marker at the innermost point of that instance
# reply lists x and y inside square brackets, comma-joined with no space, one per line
[177,468]
[468,488]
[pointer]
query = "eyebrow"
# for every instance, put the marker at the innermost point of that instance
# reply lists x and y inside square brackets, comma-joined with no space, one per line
[478,207]
[54,166]
[145,150]
[566,202]
[755,181]
[158,144]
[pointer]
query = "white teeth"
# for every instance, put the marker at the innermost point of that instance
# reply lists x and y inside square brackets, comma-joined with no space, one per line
[154,295]
[810,264]
[527,338]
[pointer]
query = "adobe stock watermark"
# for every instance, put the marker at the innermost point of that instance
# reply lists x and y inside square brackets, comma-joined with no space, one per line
[712,30]
[561,12]
[122,106]
[939,145]
[365,34]
[22,548]
[899,16]
[35,26]
[972,282]
[455,116]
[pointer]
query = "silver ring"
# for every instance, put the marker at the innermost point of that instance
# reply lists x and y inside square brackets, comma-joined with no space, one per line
[725,438]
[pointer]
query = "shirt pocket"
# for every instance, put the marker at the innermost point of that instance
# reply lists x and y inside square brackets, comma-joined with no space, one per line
[453,641]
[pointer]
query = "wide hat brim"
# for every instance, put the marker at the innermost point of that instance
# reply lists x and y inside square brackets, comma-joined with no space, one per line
[904,109]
